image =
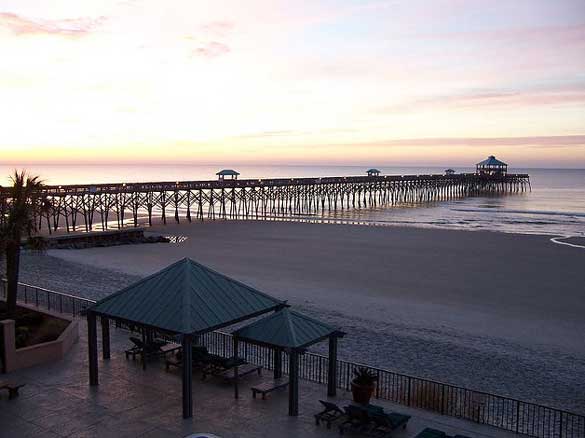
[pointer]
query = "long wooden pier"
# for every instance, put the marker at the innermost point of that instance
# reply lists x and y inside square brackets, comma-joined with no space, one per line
[103,206]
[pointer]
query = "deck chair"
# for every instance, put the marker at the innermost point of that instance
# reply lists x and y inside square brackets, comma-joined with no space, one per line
[218,365]
[330,414]
[385,424]
[356,420]
[140,347]
[431,433]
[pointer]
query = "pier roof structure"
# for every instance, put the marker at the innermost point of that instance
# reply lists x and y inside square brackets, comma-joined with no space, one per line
[228,172]
[491,161]
[491,166]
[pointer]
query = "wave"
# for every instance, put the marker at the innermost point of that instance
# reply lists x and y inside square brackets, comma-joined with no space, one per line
[526,212]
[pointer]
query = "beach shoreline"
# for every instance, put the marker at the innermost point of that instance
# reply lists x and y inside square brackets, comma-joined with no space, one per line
[491,311]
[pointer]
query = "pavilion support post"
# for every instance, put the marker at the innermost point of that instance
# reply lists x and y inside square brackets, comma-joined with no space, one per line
[236,370]
[332,371]
[187,376]
[293,385]
[277,363]
[143,353]
[105,337]
[92,348]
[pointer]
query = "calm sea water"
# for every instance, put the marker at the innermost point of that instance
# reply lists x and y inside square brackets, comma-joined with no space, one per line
[555,206]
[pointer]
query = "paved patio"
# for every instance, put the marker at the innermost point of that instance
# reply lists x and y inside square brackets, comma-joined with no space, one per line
[57,401]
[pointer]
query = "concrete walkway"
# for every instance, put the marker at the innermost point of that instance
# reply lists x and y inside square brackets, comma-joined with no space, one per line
[57,401]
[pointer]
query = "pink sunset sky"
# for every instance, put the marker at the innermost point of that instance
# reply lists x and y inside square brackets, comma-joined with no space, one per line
[419,82]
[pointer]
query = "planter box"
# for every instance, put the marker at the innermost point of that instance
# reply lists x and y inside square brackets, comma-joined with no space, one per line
[17,358]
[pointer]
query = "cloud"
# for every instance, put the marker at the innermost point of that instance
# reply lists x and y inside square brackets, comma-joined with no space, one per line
[218,28]
[494,98]
[212,49]
[537,141]
[69,27]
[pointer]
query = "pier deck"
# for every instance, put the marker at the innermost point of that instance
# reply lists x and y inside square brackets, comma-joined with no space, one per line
[87,207]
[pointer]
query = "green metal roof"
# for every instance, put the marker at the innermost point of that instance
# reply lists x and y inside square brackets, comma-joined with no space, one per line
[288,329]
[491,161]
[227,172]
[186,297]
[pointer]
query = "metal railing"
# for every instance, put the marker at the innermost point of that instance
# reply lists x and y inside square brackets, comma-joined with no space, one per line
[480,407]
[48,299]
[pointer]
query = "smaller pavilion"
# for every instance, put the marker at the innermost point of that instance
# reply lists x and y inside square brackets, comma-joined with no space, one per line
[227,172]
[373,172]
[291,332]
[449,172]
[491,166]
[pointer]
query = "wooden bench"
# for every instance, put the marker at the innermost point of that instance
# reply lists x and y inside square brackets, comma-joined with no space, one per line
[243,370]
[269,386]
[12,388]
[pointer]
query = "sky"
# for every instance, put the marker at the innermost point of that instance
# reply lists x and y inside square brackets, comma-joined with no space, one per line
[405,82]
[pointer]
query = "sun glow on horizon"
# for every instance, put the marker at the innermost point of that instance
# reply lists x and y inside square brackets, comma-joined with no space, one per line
[302,82]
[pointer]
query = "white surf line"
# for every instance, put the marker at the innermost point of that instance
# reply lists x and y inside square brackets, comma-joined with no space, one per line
[558,242]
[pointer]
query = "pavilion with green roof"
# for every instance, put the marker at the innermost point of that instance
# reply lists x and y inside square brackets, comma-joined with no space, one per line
[292,332]
[186,300]
[222,174]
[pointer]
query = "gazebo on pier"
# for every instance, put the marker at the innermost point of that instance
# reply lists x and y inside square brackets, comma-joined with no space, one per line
[491,166]
[291,332]
[184,300]
[227,172]
[373,172]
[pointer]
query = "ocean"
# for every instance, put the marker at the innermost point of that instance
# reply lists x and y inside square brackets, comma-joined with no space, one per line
[555,206]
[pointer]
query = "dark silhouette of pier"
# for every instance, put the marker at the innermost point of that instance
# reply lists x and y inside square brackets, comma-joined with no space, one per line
[87,207]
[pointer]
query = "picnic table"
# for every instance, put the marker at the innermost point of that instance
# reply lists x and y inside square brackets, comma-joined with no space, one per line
[243,370]
[268,386]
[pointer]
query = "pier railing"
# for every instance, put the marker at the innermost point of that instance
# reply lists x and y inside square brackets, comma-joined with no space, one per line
[506,413]
[120,205]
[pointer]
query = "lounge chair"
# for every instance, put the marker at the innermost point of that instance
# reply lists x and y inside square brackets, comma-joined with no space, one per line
[356,420]
[385,424]
[330,414]
[435,433]
[217,365]
[431,433]
[141,348]
[199,357]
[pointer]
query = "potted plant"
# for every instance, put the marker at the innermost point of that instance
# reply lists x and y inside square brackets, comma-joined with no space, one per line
[363,385]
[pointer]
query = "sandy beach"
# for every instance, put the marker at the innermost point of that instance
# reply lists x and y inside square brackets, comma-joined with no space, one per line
[497,312]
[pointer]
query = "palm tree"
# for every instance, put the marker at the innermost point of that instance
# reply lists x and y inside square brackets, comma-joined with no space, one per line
[25,204]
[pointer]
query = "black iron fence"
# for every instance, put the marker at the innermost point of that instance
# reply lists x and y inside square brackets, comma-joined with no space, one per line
[48,299]
[477,406]
[480,407]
